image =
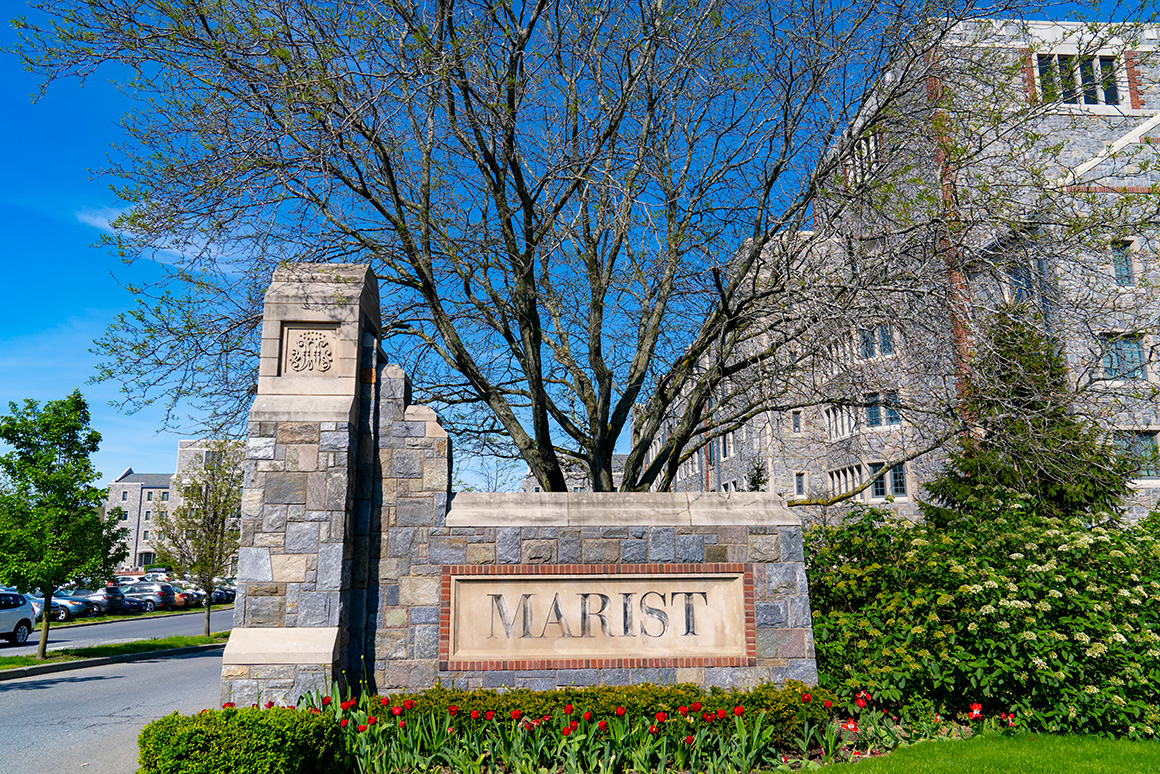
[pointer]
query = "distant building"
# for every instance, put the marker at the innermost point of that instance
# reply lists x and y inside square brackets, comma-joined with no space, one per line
[141,495]
[576,476]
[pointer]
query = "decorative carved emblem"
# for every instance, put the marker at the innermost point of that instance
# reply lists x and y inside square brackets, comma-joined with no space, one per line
[311,352]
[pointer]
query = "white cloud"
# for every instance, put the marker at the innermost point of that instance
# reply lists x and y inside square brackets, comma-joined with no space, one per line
[100,217]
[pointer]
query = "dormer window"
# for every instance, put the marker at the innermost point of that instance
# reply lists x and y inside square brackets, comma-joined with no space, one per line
[862,163]
[1078,80]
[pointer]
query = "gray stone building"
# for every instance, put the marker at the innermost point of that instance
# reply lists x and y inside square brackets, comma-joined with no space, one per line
[141,495]
[1056,210]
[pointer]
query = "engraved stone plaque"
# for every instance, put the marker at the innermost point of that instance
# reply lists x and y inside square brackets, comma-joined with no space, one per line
[308,350]
[615,616]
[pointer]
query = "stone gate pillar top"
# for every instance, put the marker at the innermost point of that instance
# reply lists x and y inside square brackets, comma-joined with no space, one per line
[314,326]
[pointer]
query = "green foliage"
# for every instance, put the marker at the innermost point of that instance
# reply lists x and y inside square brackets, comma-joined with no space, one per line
[1029,437]
[241,741]
[1007,607]
[51,528]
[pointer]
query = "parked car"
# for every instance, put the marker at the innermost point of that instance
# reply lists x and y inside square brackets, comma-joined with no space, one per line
[65,608]
[109,599]
[134,605]
[184,599]
[16,617]
[219,597]
[154,596]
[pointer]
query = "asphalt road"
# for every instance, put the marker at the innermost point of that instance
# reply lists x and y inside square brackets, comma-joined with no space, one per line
[87,721]
[122,630]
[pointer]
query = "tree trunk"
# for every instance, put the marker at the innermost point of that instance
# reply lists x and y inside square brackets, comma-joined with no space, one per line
[208,608]
[46,612]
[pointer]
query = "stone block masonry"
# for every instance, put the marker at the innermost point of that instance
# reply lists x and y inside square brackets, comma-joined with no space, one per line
[350,536]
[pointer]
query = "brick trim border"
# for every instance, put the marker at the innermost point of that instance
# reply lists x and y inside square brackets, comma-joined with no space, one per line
[570,570]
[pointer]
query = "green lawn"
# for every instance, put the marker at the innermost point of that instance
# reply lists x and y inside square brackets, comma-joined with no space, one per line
[96,651]
[1024,754]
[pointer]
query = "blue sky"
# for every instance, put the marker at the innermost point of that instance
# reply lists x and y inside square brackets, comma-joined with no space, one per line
[58,292]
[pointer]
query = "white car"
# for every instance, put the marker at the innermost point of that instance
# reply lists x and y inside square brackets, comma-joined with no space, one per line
[16,617]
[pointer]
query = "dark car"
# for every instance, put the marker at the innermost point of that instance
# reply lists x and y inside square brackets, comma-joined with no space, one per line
[109,599]
[154,596]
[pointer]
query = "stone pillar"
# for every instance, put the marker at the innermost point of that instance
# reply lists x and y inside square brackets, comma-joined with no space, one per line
[303,481]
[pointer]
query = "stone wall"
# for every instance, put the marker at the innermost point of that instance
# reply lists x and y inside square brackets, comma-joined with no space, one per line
[347,537]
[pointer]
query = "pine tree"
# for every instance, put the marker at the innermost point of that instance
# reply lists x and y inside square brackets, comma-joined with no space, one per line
[1027,434]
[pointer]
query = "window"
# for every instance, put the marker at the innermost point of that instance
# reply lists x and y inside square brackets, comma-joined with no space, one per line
[898,480]
[727,445]
[124,516]
[536,489]
[1074,80]
[1141,445]
[577,489]
[148,495]
[882,409]
[148,514]
[165,497]
[1122,263]
[124,496]
[796,421]
[799,483]
[146,558]
[145,535]
[213,459]
[878,488]
[877,342]
[863,160]
[1123,356]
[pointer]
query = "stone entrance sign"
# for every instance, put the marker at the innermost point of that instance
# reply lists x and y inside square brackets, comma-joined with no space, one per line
[357,563]
[624,614]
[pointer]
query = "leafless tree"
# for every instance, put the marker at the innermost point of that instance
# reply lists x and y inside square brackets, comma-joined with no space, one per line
[576,209]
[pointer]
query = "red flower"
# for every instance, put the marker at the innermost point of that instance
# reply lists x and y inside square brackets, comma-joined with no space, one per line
[402,723]
[384,701]
[396,711]
[566,730]
[475,714]
[708,717]
[827,703]
[851,725]
[567,709]
[269,704]
[696,706]
[452,710]
[228,705]
[347,704]
[315,711]
[860,702]
[689,739]
[516,714]
[408,704]
[343,722]
[806,698]
[662,717]
[738,711]
[529,725]
[488,715]
[372,720]
[361,729]
[976,712]
[652,729]
[587,716]
[326,701]
[721,713]
[602,725]
[620,712]
[683,711]
[864,695]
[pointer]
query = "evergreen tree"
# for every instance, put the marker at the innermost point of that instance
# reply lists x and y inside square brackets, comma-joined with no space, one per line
[757,478]
[1027,434]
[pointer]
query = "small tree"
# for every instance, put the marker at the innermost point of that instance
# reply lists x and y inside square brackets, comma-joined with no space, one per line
[757,478]
[1028,436]
[199,536]
[51,527]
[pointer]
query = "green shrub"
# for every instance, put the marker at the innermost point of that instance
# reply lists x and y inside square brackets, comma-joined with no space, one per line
[1015,611]
[242,741]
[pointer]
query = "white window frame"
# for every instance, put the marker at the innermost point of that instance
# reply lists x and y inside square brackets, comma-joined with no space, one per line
[800,483]
[1073,60]
[795,422]
[1151,476]
[1132,251]
[1108,339]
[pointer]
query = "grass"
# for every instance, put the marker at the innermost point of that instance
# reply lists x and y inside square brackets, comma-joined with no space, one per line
[1021,754]
[131,616]
[118,649]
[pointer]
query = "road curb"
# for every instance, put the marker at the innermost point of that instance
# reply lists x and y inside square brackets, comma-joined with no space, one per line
[68,666]
[82,624]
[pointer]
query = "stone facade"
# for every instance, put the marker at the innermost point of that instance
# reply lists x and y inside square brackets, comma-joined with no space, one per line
[347,536]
